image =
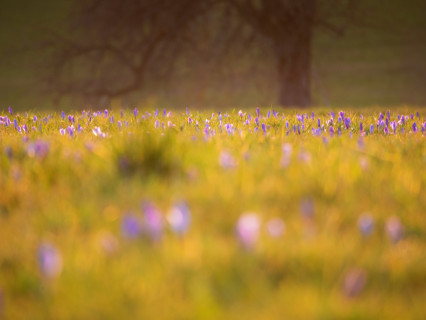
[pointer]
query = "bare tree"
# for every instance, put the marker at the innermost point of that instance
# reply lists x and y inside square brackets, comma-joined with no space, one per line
[117,46]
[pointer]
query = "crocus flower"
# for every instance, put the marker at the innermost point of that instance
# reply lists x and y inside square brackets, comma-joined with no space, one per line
[365,224]
[347,122]
[49,260]
[247,229]
[394,229]
[226,160]
[157,124]
[371,129]
[264,128]
[307,208]
[135,112]
[414,127]
[179,218]
[153,221]
[354,282]
[275,227]
[98,132]
[62,131]
[331,131]
[258,112]
[269,114]
[130,226]
[108,242]
[388,114]
[10,110]
[38,149]
[286,157]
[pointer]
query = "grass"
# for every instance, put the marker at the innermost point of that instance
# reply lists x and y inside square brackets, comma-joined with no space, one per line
[73,194]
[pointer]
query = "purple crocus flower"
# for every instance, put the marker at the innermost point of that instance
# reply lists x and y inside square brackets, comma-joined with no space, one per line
[256,121]
[354,282]
[135,112]
[264,128]
[187,112]
[307,208]
[130,226]
[347,122]
[274,114]
[275,227]
[269,114]
[393,126]
[153,221]
[331,131]
[332,114]
[386,131]
[49,260]
[287,125]
[361,128]
[312,115]
[412,116]
[388,114]
[418,115]
[79,128]
[247,229]
[258,112]
[226,160]
[414,127]
[179,218]
[38,149]
[15,123]
[341,115]
[62,131]
[286,157]
[365,224]
[372,129]
[63,115]
[10,110]
[394,229]
[294,128]
[339,131]
[319,123]
[71,130]
[157,124]
[106,113]
[164,113]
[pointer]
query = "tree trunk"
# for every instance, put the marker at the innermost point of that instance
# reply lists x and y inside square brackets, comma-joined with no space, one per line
[294,59]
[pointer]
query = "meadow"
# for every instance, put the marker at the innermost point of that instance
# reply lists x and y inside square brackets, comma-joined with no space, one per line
[245,214]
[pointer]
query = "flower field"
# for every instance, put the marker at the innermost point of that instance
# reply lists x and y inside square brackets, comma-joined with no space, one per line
[250,214]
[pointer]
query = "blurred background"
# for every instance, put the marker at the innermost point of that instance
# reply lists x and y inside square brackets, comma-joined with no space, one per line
[377,56]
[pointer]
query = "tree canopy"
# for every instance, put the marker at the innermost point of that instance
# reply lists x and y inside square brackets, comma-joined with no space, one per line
[115,47]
